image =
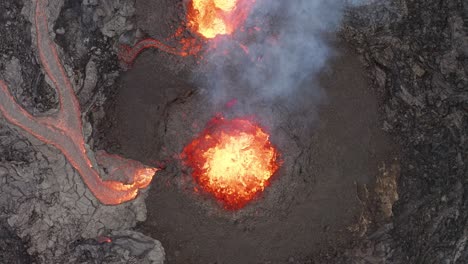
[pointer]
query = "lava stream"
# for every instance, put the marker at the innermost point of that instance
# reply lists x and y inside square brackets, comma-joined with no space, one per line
[63,129]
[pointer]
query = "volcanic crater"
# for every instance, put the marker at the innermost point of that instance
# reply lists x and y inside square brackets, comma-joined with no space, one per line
[327,132]
[235,131]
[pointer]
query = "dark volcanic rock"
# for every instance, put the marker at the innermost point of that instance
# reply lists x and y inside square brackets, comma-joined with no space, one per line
[12,249]
[33,92]
[417,57]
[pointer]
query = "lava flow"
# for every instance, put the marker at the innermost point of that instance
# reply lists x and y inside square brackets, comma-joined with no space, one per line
[232,159]
[64,129]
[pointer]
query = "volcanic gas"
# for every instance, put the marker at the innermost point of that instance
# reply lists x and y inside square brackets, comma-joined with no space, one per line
[233,160]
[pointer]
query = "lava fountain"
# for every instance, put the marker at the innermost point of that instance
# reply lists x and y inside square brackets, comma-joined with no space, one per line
[233,160]
[211,18]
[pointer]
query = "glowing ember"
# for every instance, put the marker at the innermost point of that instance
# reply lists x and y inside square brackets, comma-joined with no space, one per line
[210,18]
[233,160]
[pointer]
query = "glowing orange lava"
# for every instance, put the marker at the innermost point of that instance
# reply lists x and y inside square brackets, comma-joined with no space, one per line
[232,159]
[211,18]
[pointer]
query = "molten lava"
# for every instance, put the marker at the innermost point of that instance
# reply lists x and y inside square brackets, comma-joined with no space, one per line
[232,159]
[211,18]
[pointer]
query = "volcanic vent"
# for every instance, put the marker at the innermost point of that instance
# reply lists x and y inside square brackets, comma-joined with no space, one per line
[233,131]
[232,159]
[250,173]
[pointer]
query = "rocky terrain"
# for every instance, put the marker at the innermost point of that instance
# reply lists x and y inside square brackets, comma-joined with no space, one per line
[416,54]
[416,58]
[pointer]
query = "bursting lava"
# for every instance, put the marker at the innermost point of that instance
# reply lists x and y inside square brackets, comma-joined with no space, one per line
[232,159]
[211,18]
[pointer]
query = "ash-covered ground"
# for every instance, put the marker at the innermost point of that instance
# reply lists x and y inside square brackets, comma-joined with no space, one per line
[375,165]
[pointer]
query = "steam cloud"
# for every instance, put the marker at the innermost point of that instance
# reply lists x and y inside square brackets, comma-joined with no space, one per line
[288,49]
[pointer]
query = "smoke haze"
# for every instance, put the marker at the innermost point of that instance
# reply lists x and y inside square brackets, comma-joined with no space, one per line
[282,46]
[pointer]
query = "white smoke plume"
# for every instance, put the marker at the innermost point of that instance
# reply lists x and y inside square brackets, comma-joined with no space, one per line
[286,43]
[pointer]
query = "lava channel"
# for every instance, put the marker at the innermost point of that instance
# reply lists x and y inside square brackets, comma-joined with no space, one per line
[233,160]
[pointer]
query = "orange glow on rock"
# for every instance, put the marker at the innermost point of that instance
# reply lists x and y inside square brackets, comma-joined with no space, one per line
[211,18]
[232,159]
